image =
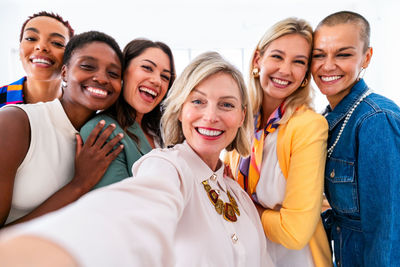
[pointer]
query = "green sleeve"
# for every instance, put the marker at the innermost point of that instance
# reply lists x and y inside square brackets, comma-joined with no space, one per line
[119,169]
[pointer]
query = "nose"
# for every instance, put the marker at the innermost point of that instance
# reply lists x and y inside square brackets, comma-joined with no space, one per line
[210,113]
[329,64]
[100,77]
[42,45]
[285,68]
[156,79]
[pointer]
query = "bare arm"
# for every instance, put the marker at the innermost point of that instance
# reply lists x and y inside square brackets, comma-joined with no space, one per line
[33,249]
[91,161]
[14,144]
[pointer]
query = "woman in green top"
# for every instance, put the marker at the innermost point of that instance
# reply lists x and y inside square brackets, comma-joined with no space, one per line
[149,72]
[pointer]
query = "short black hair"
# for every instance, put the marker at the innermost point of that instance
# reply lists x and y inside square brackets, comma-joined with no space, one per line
[47,14]
[80,40]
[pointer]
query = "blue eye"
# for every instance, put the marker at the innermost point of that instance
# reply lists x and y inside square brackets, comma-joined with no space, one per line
[196,102]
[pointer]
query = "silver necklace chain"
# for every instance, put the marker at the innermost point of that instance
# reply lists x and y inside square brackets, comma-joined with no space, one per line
[330,149]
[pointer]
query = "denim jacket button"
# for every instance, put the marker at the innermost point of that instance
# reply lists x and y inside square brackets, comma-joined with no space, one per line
[338,229]
[332,173]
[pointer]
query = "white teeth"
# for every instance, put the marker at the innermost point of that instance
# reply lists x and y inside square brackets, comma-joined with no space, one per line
[41,60]
[151,92]
[97,91]
[330,78]
[209,132]
[281,82]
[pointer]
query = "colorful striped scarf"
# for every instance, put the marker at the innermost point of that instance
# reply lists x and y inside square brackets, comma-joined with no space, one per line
[12,93]
[249,168]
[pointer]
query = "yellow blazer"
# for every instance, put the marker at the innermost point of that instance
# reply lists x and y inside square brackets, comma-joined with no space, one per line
[301,151]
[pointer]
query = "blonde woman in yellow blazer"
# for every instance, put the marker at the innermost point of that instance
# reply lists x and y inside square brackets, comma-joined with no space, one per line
[284,173]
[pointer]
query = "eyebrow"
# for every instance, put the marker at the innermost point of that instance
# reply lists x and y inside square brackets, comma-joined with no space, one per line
[222,97]
[281,52]
[155,65]
[53,34]
[339,50]
[93,58]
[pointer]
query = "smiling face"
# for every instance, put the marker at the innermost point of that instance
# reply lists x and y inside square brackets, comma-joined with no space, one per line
[211,116]
[42,48]
[338,57]
[283,66]
[146,80]
[93,77]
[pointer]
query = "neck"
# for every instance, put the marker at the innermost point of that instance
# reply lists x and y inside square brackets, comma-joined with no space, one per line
[139,117]
[269,105]
[41,91]
[334,100]
[77,115]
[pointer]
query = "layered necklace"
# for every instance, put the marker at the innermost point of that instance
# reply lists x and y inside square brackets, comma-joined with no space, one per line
[228,210]
[330,149]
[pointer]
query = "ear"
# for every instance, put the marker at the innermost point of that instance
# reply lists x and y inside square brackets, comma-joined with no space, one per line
[64,69]
[243,116]
[368,56]
[180,116]
[256,59]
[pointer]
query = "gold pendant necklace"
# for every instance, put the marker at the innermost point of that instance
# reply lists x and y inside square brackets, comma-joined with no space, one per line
[228,210]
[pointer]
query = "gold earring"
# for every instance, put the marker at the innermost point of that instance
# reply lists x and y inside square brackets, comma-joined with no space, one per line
[256,72]
[304,83]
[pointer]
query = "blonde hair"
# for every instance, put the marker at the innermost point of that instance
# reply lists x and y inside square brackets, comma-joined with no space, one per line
[202,67]
[302,95]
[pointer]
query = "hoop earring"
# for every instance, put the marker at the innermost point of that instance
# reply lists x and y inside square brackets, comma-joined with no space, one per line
[304,83]
[255,72]
[361,73]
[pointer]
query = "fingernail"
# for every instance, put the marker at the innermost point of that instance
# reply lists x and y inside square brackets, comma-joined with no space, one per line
[121,135]
[102,122]
[112,125]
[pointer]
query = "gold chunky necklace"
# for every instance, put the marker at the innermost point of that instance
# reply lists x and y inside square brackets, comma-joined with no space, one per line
[228,210]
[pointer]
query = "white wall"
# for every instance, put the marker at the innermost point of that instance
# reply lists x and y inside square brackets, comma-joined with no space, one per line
[230,26]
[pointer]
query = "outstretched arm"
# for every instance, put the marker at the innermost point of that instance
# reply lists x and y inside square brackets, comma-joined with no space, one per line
[135,219]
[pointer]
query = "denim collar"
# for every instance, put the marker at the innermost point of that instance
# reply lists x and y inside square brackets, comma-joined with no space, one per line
[335,116]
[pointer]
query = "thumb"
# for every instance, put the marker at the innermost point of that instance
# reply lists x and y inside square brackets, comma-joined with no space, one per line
[79,144]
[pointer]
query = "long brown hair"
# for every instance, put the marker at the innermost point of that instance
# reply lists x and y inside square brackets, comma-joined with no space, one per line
[124,113]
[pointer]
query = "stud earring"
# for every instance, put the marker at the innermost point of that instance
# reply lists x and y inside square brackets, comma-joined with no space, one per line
[63,84]
[255,72]
[304,83]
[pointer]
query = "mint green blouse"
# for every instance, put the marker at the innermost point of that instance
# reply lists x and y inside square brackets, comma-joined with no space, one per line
[121,167]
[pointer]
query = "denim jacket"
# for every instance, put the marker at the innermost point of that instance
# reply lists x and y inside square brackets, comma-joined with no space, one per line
[362,181]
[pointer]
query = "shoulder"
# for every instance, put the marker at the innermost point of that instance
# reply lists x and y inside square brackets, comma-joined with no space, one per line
[306,120]
[18,82]
[13,115]
[381,106]
[88,126]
